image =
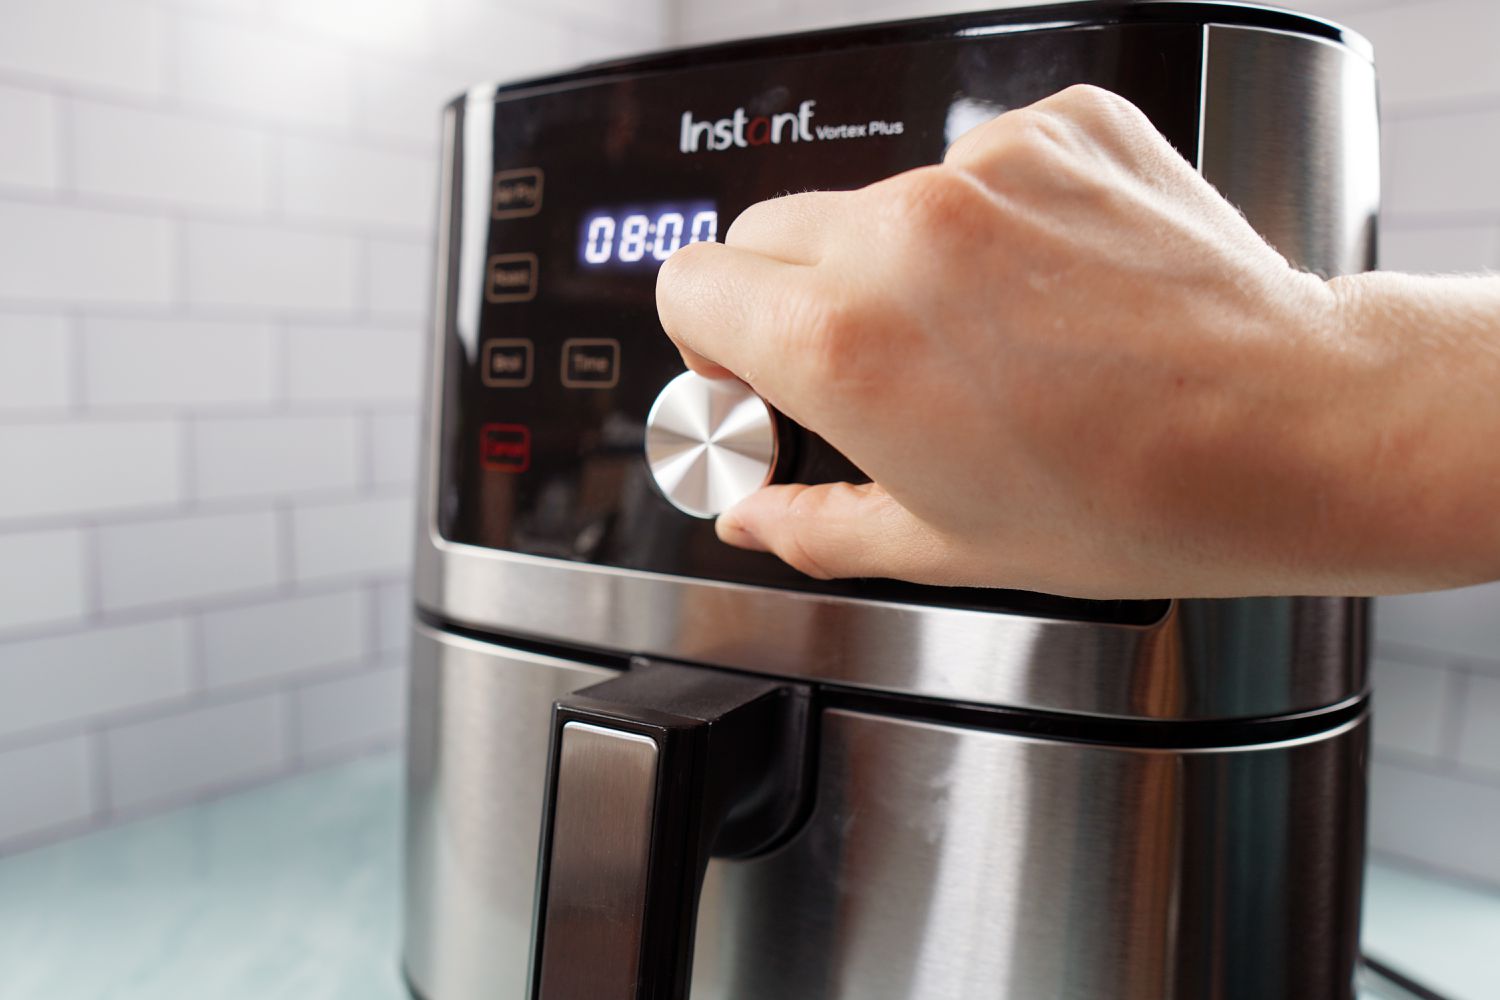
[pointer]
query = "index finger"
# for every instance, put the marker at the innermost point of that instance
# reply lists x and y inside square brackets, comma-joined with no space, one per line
[720,304]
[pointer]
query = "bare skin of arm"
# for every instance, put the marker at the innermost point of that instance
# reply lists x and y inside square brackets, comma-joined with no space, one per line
[1068,365]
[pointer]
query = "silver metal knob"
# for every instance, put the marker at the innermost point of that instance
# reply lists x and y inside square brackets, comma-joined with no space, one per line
[710,443]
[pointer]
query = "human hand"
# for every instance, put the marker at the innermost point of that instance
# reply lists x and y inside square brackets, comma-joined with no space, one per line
[1067,364]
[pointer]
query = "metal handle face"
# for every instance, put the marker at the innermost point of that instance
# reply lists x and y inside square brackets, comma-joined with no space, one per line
[601,842]
[651,773]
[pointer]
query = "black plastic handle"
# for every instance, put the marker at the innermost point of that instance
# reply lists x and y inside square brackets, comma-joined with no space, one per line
[651,774]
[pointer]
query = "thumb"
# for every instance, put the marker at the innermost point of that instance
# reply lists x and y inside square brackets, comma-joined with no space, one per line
[834,530]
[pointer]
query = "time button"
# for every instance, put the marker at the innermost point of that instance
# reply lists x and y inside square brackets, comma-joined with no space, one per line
[590,363]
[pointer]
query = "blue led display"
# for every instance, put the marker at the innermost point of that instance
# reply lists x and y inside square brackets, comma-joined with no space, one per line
[644,235]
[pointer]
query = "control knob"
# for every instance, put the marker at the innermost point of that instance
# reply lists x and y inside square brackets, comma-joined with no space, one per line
[710,443]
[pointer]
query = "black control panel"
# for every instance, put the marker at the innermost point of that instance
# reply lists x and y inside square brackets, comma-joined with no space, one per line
[567,195]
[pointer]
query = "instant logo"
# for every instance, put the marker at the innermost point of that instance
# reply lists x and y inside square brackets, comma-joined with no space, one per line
[743,130]
[739,129]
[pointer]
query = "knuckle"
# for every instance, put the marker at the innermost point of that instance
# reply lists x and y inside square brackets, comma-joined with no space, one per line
[1040,132]
[828,331]
[1098,108]
[935,200]
[974,143]
[753,219]
[938,213]
[1091,97]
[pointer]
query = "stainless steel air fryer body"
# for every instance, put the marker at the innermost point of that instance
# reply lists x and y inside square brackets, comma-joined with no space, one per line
[964,794]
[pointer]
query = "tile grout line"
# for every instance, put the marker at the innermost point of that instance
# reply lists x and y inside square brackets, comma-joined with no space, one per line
[187,476]
[187,702]
[146,614]
[156,208]
[99,767]
[286,546]
[197,627]
[67,167]
[93,576]
[1460,680]
[78,366]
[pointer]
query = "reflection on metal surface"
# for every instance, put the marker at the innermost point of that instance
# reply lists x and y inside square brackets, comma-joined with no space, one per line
[1206,659]
[601,841]
[710,443]
[1291,137]
[947,864]
[939,863]
[477,742]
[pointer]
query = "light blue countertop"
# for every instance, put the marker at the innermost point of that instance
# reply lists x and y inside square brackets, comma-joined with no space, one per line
[290,892]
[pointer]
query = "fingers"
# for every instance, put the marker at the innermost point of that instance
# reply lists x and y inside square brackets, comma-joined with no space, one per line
[791,228]
[718,303]
[835,530]
[1080,118]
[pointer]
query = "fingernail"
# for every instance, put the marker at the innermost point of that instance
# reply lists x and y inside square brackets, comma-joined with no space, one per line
[734,531]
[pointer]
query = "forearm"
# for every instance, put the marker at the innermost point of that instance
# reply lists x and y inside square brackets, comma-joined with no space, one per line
[1429,416]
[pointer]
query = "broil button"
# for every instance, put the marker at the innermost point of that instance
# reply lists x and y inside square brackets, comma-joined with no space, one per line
[507,364]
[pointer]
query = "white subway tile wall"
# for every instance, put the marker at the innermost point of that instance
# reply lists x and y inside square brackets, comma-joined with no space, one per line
[36,362]
[115,45]
[55,252]
[28,120]
[353,538]
[125,153]
[1436,797]
[42,577]
[216,225]
[77,676]
[172,363]
[47,787]
[275,268]
[278,456]
[169,560]
[215,222]
[195,750]
[347,713]
[66,468]
[285,637]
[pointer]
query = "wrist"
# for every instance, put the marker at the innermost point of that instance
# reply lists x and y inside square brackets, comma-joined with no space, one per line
[1424,404]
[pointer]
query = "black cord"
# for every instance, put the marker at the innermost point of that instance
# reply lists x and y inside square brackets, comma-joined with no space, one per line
[1409,985]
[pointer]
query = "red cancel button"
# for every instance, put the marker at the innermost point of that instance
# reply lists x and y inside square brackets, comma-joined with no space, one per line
[505,447]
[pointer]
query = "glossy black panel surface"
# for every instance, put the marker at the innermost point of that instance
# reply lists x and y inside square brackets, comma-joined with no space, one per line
[552,362]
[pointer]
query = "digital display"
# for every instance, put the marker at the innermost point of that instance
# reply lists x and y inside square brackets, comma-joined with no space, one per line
[644,235]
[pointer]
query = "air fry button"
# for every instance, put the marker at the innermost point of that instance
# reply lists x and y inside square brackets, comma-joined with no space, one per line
[590,364]
[507,364]
[511,277]
[505,447]
[518,193]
